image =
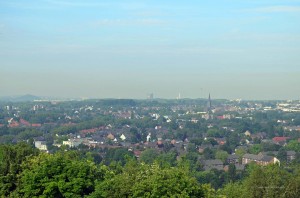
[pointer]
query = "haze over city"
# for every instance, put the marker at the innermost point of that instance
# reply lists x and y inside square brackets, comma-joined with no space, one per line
[128,49]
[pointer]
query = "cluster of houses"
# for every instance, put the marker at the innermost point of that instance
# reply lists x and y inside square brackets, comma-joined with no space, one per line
[105,137]
[21,123]
[262,159]
[289,106]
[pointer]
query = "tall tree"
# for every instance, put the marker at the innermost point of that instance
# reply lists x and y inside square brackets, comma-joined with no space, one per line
[58,175]
[11,158]
[144,180]
[231,172]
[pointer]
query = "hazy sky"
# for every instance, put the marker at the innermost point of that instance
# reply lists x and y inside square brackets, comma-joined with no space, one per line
[128,49]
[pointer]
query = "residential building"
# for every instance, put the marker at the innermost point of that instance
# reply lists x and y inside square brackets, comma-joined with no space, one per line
[259,159]
[280,140]
[233,159]
[73,142]
[290,155]
[213,164]
[41,145]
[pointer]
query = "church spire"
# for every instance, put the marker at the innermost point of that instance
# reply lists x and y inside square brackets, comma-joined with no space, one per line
[209,103]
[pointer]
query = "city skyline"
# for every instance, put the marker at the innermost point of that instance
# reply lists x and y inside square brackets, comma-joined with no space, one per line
[128,49]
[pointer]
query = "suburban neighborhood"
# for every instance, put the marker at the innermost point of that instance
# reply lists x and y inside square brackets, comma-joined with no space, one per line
[213,133]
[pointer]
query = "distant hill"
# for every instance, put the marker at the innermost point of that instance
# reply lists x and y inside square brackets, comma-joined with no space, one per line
[24,98]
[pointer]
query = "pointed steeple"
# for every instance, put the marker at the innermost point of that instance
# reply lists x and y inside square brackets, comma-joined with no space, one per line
[209,103]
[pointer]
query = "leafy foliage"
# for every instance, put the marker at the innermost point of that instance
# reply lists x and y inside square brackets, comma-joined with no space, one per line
[141,180]
[58,175]
[11,158]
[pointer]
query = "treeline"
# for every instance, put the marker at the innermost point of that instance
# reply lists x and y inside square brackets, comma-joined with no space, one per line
[269,181]
[25,172]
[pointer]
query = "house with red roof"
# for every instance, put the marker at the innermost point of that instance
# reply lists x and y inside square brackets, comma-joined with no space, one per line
[220,117]
[137,153]
[14,124]
[87,131]
[24,123]
[36,125]
[280,140]
[221,141]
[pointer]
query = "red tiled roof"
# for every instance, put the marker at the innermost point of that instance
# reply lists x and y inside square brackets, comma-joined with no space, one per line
[36,125]
[137,153]
[279,139]
[24,122]
[89,130]
[14,124]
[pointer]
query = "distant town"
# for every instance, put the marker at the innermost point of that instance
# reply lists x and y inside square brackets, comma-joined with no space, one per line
[215,136]
[204,124]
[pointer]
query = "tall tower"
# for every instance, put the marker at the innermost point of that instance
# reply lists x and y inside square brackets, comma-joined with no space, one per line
[150,96]
[178,97]
[209,107]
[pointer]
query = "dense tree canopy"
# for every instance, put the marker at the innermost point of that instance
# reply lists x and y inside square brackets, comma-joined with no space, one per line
[141,180]
[58,175]
[27,173]
[11,158]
